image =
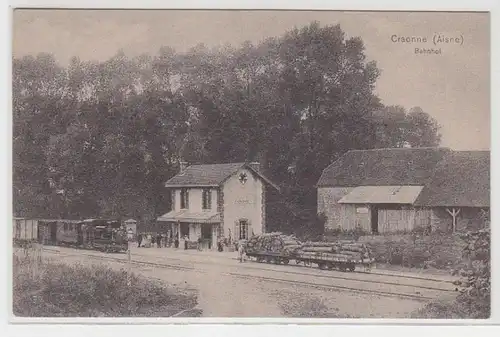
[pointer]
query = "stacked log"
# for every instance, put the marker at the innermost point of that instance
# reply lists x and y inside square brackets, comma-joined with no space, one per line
[336,251]
[275,242]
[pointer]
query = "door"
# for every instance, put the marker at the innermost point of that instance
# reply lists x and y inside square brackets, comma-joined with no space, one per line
[206,235]
[79,234]
[53,232]
[374,219]
[41,232]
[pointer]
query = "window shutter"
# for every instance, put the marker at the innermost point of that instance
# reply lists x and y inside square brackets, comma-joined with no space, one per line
[209,201]
[249,230]
[172,199]
[187,199]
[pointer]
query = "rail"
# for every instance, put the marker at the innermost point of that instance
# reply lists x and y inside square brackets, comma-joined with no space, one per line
[277,280]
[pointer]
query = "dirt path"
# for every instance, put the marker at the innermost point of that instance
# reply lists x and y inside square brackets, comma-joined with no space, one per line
[221,294]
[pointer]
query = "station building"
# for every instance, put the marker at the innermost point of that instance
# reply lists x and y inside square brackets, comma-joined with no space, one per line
[215,201]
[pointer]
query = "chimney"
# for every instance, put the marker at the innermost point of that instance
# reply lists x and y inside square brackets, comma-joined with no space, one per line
[255,165]
[182,166]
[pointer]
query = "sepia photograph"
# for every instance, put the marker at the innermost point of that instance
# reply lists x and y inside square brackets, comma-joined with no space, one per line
[250,164]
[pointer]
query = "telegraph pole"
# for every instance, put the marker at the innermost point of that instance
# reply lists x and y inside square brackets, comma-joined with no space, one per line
[129,264]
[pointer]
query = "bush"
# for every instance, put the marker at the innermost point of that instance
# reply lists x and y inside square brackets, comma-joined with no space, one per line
[475,272]
[474,299]
[437,250]
[344,234]
[56,290]
[307,226]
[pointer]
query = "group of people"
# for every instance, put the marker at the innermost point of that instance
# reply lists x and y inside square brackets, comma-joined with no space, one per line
[165,240]
[160,239]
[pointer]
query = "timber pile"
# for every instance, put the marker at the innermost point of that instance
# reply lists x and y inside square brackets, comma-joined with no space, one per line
[275,242]
[336,251]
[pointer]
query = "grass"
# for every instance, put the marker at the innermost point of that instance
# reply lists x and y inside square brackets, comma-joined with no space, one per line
[449,309]
[298,305]
[51,289]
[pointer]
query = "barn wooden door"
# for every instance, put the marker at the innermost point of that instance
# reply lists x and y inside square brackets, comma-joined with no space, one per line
[374,219]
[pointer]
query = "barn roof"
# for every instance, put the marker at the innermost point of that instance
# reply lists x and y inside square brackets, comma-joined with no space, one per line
[382,167]
[208,175]
[382,195]
[462,178]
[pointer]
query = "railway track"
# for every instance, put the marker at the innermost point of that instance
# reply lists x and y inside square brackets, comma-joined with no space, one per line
[314,285]
[330,275]
[314,271]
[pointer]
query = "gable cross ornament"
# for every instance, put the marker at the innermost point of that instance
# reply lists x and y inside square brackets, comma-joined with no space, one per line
[243,178]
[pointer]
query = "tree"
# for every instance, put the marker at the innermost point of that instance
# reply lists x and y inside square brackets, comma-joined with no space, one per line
[395,127]
[101,138]
[422,130]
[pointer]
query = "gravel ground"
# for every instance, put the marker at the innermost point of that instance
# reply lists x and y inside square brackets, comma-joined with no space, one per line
[223,295]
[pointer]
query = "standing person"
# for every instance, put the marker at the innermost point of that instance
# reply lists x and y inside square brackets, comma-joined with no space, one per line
[185,242]
[176,243]
[199,243]
[158,240]
[241,251]
[139,240]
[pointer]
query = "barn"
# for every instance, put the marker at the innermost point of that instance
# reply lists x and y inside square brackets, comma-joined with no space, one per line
[401,189]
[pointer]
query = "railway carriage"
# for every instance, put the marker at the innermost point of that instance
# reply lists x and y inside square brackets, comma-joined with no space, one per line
[99,234]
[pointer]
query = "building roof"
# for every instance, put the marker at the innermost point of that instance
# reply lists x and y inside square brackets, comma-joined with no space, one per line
[450,178]
[191,217]
[461,179]
[47,220]
[211,175]
[379,167]
[382,195]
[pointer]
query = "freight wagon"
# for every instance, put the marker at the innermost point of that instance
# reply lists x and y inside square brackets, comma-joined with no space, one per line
[322,260]
[277,248]
[97,234]
[45,231]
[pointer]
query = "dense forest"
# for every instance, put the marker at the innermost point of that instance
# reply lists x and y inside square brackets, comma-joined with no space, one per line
[101,138]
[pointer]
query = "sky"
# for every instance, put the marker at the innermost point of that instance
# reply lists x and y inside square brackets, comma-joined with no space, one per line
[452,86]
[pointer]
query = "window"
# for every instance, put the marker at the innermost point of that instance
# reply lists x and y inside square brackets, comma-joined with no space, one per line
[207,199]
[106,235]
[184,198]
[65,227]
[243,229]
